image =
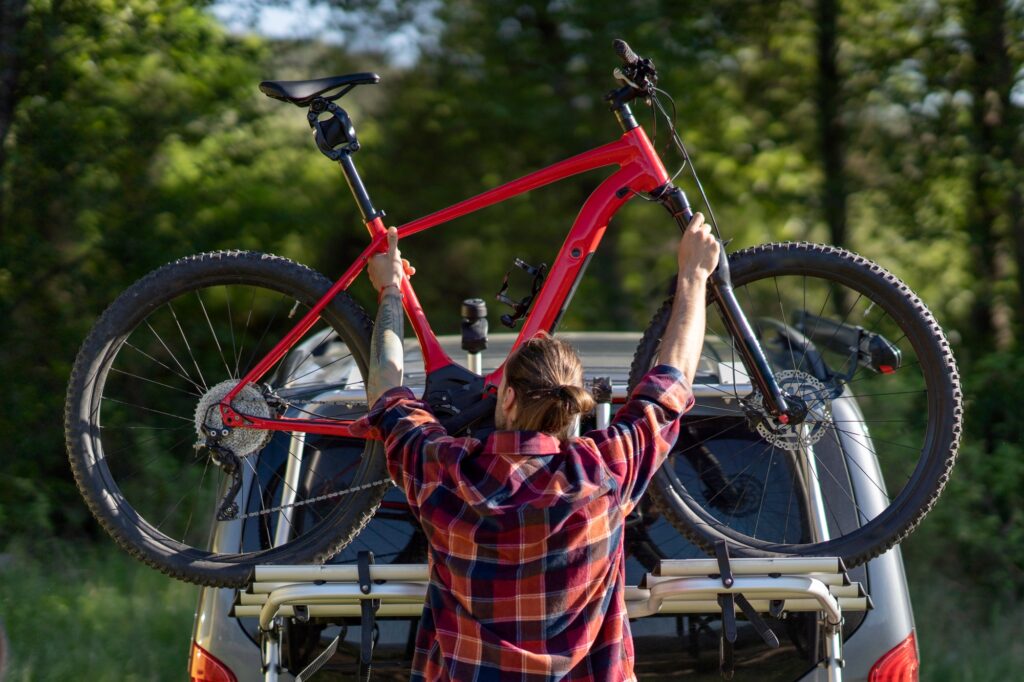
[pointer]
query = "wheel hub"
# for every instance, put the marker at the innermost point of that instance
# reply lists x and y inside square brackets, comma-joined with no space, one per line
[815,412]
[210,424]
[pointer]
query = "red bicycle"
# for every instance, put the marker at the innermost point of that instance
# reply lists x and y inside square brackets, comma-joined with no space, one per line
[187,375]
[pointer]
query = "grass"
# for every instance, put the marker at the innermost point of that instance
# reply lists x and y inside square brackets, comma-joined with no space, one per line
[82,612]
[76,611]
[964,635]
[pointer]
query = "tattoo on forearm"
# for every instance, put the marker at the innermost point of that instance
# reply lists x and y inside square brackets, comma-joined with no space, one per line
[386,349]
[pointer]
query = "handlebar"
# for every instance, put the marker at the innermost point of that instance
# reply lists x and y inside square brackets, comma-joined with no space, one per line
[638,73]
[622,49]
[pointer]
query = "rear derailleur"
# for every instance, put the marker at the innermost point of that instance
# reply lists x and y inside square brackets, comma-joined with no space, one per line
[226,445]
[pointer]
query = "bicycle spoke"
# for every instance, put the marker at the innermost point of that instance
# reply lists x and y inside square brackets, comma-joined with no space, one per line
[231,328]
[259,342]
[873,439]
[154,381]
[187,345]
[876,395]
[789,504]
[753,460]
[309,353]
[319,368]
[213,333]
[188,523]
[708,438]
[149,409]
[148,428]
[764,489]
[144,353]
[135,445]
[871,450]
[169,351]
[847,458]
[782,317]
[248,320]
[716,408]
[843,322]
[824,303]
[849,495]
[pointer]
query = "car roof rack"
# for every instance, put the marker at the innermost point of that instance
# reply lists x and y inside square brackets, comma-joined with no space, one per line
[722,585]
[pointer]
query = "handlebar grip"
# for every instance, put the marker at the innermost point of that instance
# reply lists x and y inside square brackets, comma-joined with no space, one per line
[625,52]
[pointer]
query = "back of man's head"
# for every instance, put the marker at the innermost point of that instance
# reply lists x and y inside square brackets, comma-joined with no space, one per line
[547,376]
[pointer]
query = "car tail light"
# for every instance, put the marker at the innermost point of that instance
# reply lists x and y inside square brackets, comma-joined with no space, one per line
[899,665]
[203,667]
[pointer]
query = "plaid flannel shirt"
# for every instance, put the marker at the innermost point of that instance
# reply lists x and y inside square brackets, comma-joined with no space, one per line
[527,568]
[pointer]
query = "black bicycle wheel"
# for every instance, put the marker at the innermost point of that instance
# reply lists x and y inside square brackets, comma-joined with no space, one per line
[875,373]
[142,399]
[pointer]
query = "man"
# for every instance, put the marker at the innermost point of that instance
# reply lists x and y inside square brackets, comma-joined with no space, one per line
[527,569]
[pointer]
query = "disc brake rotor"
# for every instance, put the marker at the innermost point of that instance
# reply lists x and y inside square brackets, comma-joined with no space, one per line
[819,412]
[250,401]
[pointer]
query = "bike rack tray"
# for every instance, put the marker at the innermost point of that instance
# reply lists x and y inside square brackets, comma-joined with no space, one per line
[718,585]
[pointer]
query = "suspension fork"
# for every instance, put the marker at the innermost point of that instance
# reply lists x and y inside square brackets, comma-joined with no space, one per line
[720,286]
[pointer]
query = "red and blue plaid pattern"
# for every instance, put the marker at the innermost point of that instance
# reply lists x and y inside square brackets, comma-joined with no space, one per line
[527,569]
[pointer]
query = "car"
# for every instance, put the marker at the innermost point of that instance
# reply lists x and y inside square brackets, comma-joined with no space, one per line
[227,648]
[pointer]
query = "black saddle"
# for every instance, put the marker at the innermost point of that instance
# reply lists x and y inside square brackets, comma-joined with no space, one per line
[301,93]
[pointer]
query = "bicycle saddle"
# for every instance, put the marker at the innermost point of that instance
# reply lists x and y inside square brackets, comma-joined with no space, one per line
[301,93]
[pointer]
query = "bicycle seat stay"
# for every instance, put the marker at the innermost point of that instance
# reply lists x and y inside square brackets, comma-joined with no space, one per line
[301,93]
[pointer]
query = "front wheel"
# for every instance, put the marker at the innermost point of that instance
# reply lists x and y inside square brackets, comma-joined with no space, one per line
[873,374]
[150,453]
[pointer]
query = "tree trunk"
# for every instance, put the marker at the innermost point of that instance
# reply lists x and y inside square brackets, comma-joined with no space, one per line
[12,20]
[831,132]
[990,220]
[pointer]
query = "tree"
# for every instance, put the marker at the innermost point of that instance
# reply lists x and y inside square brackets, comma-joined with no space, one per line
[101,89]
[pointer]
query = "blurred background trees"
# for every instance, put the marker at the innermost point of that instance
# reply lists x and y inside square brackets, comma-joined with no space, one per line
[133,133]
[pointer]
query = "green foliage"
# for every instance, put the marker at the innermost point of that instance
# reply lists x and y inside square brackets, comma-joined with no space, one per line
[81,612]
[137,136]
[963,634]
[105,86]
[978,527]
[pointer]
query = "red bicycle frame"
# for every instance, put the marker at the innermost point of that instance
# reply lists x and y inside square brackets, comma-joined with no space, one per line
[640,170]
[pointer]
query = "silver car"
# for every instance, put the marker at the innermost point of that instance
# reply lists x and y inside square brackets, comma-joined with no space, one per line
[877,641]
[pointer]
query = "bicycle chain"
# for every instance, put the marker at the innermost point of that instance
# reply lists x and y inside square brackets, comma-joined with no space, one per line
[277,401]
[319,498]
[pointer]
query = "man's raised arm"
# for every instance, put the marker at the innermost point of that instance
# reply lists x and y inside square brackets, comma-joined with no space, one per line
[387,353]
[684,335]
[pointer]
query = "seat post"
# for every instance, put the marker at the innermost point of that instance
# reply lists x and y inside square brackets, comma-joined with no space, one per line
[336,139]
[355,183]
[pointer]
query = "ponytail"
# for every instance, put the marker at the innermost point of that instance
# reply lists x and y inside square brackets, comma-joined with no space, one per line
[547,377]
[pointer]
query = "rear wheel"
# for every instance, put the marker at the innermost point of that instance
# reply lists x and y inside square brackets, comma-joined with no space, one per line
[142,403]
[861,352]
